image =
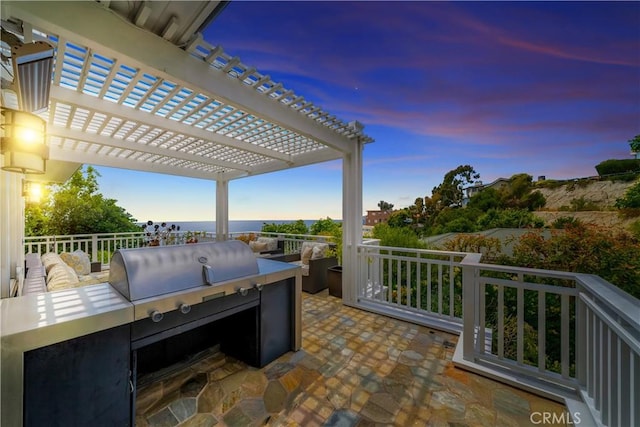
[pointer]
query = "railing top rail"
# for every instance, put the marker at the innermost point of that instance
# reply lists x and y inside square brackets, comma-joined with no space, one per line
[525,270]
[78,236]
[624,305]
[417,251]
[283,235]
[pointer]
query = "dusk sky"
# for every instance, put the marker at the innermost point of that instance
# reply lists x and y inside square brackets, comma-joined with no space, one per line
[544,88]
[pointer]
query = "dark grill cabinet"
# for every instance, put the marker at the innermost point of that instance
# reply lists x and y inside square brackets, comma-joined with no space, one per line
[80,382]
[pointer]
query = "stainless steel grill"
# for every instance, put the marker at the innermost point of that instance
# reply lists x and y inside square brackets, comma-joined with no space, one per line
[181,288]
[149,272]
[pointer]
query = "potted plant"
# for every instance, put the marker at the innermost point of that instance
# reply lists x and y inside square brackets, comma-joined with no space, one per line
[334,273]
[190,237]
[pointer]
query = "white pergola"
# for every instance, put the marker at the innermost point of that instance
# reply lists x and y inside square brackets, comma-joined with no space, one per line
[135,86]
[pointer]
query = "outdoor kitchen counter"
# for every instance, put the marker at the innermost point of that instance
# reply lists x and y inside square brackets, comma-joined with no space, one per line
[34,321]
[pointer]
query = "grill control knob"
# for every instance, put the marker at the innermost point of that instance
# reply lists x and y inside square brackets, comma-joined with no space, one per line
[156,316]
[184,308]
[259,286]
[243,291]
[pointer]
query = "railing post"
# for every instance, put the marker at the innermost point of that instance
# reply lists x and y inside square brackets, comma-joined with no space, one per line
[94,248]
[581,340]
[469,285]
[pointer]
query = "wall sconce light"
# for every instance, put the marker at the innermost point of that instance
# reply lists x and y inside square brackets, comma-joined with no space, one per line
[32,68]
[31,191]
[23,142]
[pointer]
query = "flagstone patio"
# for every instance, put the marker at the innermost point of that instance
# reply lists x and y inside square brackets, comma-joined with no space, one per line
[355,369]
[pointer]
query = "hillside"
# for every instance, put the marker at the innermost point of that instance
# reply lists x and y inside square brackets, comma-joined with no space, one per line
[601,194]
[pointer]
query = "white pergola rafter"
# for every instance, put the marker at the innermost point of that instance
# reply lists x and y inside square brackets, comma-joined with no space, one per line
[90,103]
[174,82]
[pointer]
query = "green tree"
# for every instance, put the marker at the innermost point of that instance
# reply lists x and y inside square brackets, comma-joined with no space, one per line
[518,193]
[451,189]
[384,206]
[297,227]
[489,198]
[324,227]
[400,218]
[635,145]
[76,207]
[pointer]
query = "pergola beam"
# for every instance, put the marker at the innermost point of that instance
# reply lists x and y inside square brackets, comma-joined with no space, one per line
[91,103]
[57,153]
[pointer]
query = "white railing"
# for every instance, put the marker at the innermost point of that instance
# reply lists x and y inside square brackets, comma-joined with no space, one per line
[413,282]
[564,331]
[292,242]
[100,247]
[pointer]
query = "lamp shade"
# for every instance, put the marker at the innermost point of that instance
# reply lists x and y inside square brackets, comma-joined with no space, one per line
[23,143]
[32,68]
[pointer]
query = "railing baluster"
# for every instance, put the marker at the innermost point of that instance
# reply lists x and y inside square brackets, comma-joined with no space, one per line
[440,289]
[542,336]
[564,335]
[614,380]
[399,282]
[389,281]
[451,287]
[500,321]
[482,309]
[624,385]
[598,366]
[419,283]
[520,321]
[409,286]
[591,353]
[429,288]
[581,344]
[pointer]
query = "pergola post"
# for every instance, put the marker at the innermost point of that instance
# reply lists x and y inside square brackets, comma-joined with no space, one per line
[11,229]
[222,209]
[351,219]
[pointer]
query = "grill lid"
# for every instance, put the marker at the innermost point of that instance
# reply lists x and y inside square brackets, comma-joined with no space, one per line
[148,272]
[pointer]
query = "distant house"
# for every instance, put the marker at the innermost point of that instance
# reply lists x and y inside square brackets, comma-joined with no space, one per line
[376,217]
[479,186]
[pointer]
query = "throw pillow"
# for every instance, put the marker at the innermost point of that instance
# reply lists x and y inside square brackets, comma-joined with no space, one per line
[258,246]
[77,260]
[306,255]
[50,259]
[318,252]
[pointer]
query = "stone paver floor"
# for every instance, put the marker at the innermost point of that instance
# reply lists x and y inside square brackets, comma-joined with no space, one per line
[354,369]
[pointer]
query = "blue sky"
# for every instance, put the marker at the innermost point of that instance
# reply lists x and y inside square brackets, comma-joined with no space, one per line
[545,88]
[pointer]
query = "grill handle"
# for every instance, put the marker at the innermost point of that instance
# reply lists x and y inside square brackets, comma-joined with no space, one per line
[207,274]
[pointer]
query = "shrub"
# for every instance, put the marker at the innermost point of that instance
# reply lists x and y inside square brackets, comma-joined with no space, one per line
[631,199]
[489,247]
[565,221]
[618,166]
[324,227]
[611,254]
[400,237]
[634,228]
[549,183]
[297,227]
[509,218]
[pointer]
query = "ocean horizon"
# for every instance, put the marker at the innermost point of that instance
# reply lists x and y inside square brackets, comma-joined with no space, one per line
[234,225]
